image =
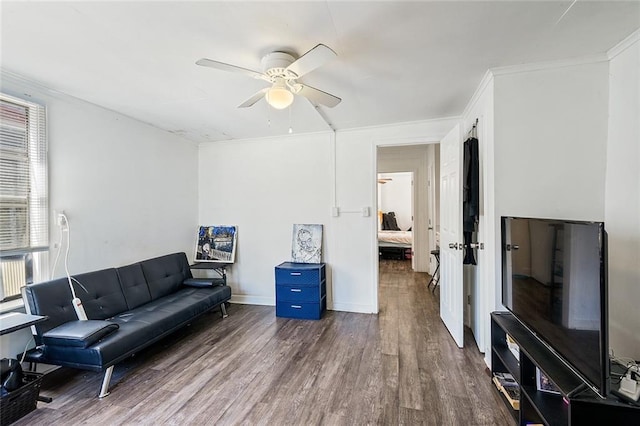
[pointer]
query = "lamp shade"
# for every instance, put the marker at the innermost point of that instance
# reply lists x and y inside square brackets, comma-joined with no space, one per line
[279,97]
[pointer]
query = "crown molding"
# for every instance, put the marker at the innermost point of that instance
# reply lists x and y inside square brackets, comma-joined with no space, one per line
[633,38]
[539,66]
[25,85]
[486,80]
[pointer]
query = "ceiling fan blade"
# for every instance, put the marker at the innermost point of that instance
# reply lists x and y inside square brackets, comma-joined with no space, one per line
[311,60]
[255,98]
[231,68]
[317,96]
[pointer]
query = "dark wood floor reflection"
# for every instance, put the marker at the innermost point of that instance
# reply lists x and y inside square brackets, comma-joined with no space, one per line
[398,367]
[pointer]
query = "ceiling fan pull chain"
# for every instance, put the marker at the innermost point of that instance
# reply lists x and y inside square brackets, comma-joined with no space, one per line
[268,115]
[290,128]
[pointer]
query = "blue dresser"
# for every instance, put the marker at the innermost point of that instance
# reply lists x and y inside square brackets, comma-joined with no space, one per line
[301,290]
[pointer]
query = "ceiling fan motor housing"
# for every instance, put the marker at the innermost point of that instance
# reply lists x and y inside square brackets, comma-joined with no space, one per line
[275,64]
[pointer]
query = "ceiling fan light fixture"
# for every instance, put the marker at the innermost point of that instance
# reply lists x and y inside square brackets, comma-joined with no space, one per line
[279,96]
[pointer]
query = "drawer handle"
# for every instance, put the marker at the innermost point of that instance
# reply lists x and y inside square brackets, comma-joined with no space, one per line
[296,290]
[295,274]
[296,306]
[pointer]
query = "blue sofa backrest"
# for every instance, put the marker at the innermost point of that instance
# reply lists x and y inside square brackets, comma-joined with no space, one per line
[134,285]
[100,293]
[166,273]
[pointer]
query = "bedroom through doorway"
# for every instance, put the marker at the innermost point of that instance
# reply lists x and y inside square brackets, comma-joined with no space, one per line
[408,205]
[395,216]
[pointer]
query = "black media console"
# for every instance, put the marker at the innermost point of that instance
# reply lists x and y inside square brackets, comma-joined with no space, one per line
[576,404]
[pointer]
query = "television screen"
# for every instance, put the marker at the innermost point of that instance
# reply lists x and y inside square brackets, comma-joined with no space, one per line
[554,282]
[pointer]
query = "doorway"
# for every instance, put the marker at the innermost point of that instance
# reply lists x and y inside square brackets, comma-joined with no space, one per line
[421,163]
[395,216]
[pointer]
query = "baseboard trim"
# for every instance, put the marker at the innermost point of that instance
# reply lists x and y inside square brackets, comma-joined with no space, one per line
[349,307]
[244,299]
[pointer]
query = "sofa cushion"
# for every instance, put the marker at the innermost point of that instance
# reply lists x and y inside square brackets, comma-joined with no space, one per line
[166,274]
[134,285]
[79,333]
[100,293]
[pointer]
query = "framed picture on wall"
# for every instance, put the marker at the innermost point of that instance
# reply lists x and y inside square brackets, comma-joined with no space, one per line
[216,243]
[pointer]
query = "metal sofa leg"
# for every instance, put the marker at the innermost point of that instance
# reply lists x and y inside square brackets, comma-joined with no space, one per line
[224,310]
[104,390]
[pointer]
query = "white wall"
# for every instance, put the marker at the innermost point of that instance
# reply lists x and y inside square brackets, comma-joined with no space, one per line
[128,189]
[622,199]
[266,185]
[550,142]
[395,196]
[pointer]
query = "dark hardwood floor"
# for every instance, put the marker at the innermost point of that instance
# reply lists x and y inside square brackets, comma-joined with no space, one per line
[398,367]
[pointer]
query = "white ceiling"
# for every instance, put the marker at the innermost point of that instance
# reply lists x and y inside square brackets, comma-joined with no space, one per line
[397,61]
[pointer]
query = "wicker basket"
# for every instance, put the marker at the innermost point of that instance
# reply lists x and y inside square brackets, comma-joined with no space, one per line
[20,402]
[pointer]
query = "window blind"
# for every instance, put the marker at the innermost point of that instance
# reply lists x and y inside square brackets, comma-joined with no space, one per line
[24,207]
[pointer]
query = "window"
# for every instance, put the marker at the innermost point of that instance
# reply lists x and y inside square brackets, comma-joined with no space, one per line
[24,228]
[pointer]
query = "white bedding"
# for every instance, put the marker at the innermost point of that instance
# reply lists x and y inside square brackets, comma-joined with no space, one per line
[398,237]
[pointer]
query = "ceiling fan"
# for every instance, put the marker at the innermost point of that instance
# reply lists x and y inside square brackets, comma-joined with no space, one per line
[283,70]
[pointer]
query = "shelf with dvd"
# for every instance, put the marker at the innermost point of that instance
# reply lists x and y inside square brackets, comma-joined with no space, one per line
[549,391]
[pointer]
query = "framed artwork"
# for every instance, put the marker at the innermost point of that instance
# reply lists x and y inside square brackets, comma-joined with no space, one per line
[306,244]
[543,383]
[216,243]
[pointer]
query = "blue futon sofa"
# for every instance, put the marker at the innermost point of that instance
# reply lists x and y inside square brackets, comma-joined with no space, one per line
[128,309]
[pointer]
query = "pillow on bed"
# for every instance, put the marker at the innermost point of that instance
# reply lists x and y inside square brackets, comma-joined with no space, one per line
[389,222]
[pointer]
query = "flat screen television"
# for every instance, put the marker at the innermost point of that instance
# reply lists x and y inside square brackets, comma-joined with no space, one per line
[554,281]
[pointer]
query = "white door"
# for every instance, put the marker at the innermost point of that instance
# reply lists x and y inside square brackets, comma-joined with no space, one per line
[431,207]
[451,253]
[413,222]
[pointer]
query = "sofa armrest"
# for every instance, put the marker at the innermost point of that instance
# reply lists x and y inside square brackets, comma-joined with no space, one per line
[80,334]
[204,282]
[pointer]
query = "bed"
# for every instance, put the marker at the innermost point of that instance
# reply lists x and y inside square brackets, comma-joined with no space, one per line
[394,244]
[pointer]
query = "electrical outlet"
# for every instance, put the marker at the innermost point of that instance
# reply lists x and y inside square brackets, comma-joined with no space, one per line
[61,218]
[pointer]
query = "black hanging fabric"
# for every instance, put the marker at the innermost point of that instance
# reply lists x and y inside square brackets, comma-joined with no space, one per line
[471,196]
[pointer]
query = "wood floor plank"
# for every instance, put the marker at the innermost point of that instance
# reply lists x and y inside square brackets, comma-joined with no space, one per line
[398,367]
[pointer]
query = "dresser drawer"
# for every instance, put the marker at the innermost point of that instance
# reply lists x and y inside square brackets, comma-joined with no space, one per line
[299,274]
[300,293]
[300,310]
